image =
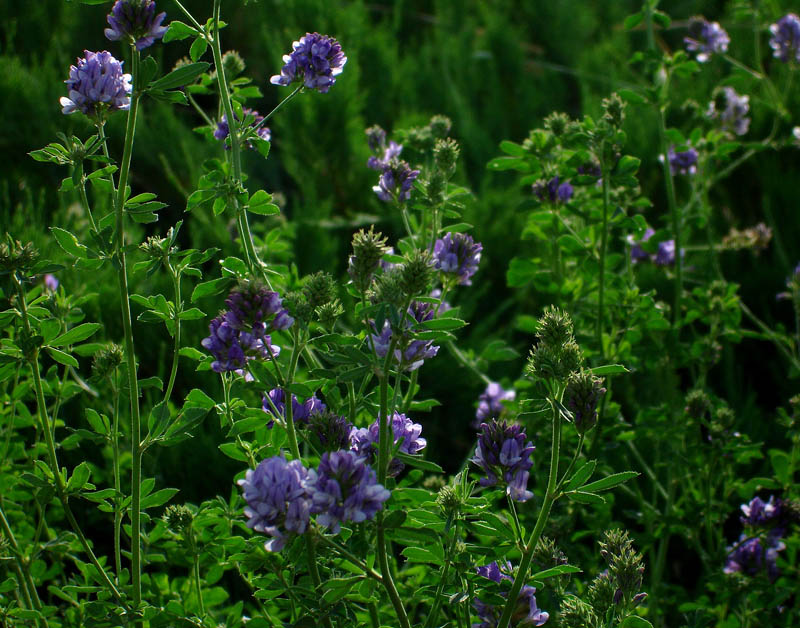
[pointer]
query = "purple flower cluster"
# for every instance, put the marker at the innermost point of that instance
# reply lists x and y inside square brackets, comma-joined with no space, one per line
[240,333]
[96,85]
[277,501]
[683,162]
[316,60]
[332,430]
[344,488]
[759,545]
[409,354]
[664,256]
[785,40]
[397,176]
[731,111]
[50,282]
[275,399]
[364,441]
[135,21]
[504,454]
[553,190]
[457,254]
[706,38]
[526,613]
[490,403]
[223,129]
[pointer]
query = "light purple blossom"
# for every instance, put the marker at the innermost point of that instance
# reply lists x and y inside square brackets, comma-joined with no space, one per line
[758,512]
[683,162]
[50,282]
[749,555]
[553,190]
[665,255]
[301,412]
[458,255]
[385,155]
[277,501]
[344,488]
[504,454]
[395,181]
[526,613]
[223,129]
[706,38]
[785,40]
[316,60]
[97,85]
[135,21]
[409,354]
[364,441]
[233,348]
[731,110]
[490,403]
[253,308]
[638,254]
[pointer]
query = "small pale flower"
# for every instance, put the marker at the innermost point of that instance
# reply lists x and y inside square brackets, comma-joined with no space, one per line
[364,441]
[316,60]
[135,21]
[785,40]
[706,38]
[731,110]
[97,85]
[223,129]
[504,454]
[491,403]
[275,399]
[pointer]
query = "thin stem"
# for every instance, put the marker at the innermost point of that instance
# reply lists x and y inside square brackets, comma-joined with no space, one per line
[437,598]
[117,479]
[24,577]
[410,392]
[603,247]
[278,107]
[194,22]
[572,462]
[44,424]
[544,513]
[85,203]
[130,355]
[196,572]
[341,549]
[176,284]
[383,461]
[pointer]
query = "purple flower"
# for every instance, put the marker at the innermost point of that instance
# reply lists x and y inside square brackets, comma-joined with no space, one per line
[638,254]
[364,441]
[344,488]
[252,308]
[665,254]
[136,21]
[505,457]
[223,130]
[748,555]
[684,162]
[758,512]
[316,60]
[96,85]
[706,38]
[553,190]
[233,348]
[785,40]
[457,254]
[395,181]
[490,403]
[277,502]
[50,282]
[526,613]
[409,354]
[731,110]
[332,430]
[385,155]
[301,412]
[444,306]
[376,138]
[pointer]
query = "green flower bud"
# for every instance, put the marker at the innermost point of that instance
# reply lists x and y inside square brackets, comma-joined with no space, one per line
[15,256]
[298,307]
[328,313]
[178,518]
[614,108]
[106,360]
[581,396]
[319,289]
[575,613]
[445,154]
[368,248]
[416,273]
[555,327]
[440,126]
[449,501]
[698,405]
[557,123]
[233,64]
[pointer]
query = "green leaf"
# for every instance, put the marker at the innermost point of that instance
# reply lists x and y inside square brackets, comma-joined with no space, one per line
[232,451]
[97,422]
[261,203]
[198,48]
[510,148]
[419,462]
[62,358]
[76,334]
[79,477]
[69,242]
[182,75]
[609,369]
[632,21]
[627,165]
[610,482]
[634,621]
[560,570]
[421,555]
[581,475]
[209,288]
[439,324]
[158,498]
[177,31]
[585,498]
[632,97]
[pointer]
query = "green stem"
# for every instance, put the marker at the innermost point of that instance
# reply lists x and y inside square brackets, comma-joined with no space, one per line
[196,572]
[117,479]
[176,284]
[572,462]
[45,426]
[437,598]
[24,578]
[373,615]
[383,462]
[410,392]
[130,355]
[278,107]
[544,513]
[194,22]
[85,203]
[341,549]
[603,247]
[295,449]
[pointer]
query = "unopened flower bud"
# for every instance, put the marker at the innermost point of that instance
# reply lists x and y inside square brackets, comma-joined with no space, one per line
[697,404]
[440,126]
[449,501]
[555,327]
[575,613]
[614,108]
[233,64]
[416,273]
[557,123]
[15,256]
[328,314]
[178,518]
[106,360]
[319,289]
[581,396]
[368,248]
[388,289]
[445,153]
